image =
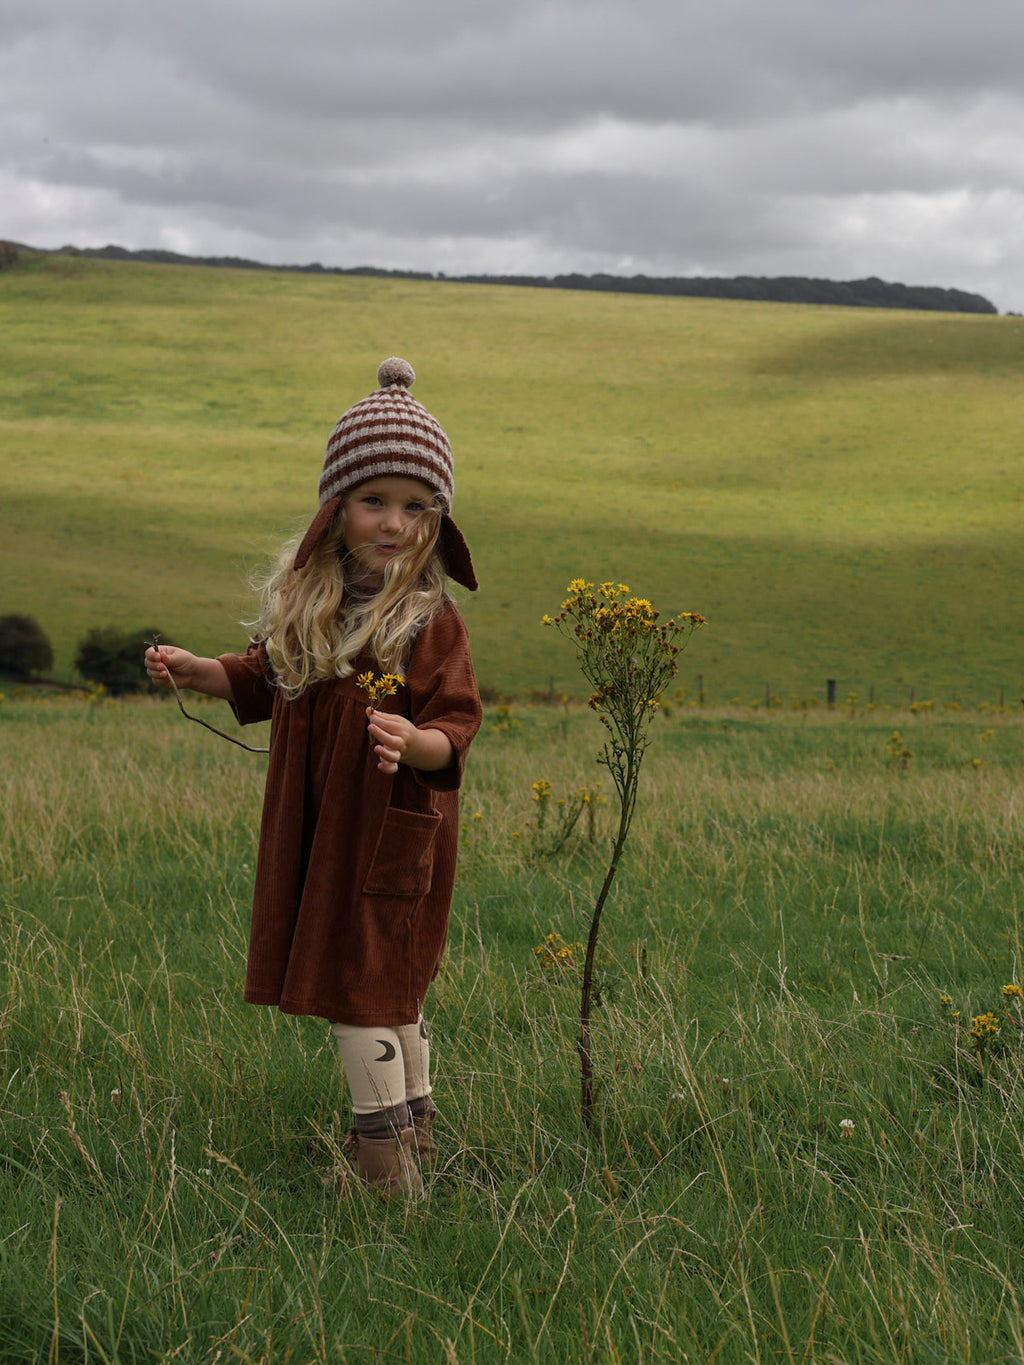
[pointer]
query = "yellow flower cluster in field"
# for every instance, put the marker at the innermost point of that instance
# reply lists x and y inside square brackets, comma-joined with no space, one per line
[556,956]
[897,751]
[985,1026]
[625,649]
[566,812]
[986,1029]
[609,609]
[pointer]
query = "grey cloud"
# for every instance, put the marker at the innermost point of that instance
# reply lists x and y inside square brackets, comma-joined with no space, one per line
[533,63]
[740,136]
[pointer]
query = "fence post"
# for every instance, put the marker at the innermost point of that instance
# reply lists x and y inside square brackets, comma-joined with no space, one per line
[830,691]
[767,696]
[700,689]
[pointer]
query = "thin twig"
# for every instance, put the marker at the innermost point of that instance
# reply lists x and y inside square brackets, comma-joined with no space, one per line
[249,748]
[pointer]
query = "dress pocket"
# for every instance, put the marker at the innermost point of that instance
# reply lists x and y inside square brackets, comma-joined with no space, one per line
[403,861]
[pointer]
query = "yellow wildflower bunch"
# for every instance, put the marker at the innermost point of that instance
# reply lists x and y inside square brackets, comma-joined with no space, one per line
[625,651]
[556,956]
[989,1034]
[984,1031]
[542,795]
[897,751]
[377,686]
[565,813]
[504,722]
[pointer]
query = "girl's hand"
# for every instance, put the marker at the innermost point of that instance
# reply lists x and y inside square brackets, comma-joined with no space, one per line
[165,661]
[396,740]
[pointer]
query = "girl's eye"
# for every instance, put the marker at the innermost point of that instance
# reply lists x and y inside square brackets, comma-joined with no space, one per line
[415,507]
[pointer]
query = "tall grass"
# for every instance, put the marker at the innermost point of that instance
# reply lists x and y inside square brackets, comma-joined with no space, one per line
[792,907]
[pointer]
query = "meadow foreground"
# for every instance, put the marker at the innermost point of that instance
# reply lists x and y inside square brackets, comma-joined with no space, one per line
[802,1152]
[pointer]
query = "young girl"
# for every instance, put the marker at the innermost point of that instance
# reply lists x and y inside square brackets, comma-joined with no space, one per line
[360,818]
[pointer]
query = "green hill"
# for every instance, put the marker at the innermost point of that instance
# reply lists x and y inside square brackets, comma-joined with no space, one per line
[839,491]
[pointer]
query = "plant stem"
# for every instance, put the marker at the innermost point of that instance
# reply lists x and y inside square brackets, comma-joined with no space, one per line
[627,794]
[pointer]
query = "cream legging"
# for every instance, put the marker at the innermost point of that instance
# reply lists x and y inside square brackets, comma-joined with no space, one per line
[384,1067]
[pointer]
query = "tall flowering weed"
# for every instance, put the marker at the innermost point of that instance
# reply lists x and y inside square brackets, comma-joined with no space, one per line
[628,655]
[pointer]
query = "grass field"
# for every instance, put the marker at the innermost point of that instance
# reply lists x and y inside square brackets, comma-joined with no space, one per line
[799,1157]
[839,491]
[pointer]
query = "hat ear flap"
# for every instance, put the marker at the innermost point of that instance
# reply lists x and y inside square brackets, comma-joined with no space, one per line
[455,553]
[320,526]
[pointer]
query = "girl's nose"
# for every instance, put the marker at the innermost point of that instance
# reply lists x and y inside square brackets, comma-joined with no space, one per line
[393,519]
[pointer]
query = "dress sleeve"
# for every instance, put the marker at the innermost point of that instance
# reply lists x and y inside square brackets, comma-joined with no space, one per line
[252,684]
[443,692]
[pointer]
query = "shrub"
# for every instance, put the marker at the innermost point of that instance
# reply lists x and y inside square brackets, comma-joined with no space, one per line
[114,658]
[24,646]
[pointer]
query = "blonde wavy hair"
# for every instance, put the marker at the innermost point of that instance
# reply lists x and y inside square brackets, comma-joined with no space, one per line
[312,633]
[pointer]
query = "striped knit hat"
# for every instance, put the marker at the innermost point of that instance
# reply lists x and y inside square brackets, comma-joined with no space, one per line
[390,433]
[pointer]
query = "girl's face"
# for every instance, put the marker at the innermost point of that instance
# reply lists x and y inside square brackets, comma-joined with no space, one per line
[378,515]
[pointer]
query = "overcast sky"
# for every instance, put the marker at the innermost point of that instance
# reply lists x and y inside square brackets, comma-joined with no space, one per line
[836,138]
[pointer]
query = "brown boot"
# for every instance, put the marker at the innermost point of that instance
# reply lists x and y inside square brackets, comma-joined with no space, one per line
[426,1147]
[387,1165]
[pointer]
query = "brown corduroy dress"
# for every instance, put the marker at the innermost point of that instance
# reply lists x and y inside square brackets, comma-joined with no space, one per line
[356,867]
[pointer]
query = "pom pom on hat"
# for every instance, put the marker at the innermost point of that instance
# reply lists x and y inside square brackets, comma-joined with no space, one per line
[394,371]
